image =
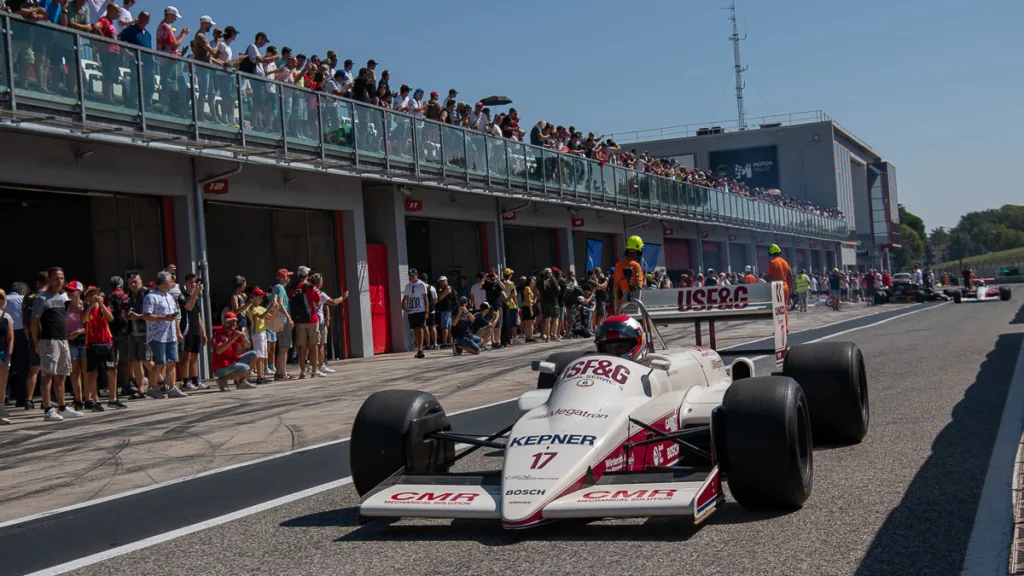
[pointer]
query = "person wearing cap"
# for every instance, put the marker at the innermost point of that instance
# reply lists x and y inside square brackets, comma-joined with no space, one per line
[484,326]
[432,109]
[253,62]
[451,99]
[446,305]
[193,333]
[50,334]
[278,350]
[203,51]
[463,338]
[226,82]
[76,341]
[228,362]
[101,354]
[748,276]
[325,321]
[170,43]
[163,332]
[477,118]
[510,307]
[257,314]
[303,302]
[417,107]
[416,306]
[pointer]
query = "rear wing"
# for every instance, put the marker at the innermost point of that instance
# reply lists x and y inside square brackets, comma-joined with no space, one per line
[710,303]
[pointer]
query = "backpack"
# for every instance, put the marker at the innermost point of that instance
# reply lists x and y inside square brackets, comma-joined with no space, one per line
[298,305]
[246,65]
[118,307]
[551,290]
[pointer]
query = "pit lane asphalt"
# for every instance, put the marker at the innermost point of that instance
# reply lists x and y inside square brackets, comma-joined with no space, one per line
[901,502]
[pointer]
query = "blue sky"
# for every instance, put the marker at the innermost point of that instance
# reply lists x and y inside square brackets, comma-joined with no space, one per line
[933,85]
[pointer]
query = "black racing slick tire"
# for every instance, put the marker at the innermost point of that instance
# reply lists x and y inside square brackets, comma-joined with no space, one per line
[958,297]
[764,442]
[561,360]
[1004,293]
[832,376]
[390,434]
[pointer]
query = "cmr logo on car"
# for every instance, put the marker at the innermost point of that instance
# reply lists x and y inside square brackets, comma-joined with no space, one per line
[554,439]
[626,495]
[433,498]
[524,492]
[703,299]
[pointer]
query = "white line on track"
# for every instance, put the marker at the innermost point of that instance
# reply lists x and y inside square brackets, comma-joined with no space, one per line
[262,507]
[201,474]
[989,547]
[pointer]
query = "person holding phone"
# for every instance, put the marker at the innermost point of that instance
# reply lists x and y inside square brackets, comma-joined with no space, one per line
[462,335]
[101,355]
[160,311]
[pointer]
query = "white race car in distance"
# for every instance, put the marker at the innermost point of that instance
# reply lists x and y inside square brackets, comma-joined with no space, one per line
[603,436]
[982,292]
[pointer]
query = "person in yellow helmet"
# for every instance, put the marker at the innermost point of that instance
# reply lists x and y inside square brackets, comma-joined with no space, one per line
[779,271]
[632,281]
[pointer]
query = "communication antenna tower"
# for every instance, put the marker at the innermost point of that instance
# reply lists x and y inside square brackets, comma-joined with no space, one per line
[740,69]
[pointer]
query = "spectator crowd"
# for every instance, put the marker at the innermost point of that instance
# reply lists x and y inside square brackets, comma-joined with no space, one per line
[213,47]
[140,340]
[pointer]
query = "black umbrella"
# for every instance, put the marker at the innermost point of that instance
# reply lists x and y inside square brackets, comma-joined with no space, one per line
[496,101]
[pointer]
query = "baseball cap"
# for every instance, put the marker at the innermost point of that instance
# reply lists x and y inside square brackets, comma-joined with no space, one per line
[302,270]
[413,271]
[404,88]
[749,269]
[207,19]
[116,281]
[452,92]
[228,316]
[484,306]
[371,63]
[418,91]
[479,104]
[172,10]
[440,278]
[74,286]
[258,292]
[283,272]
[91,289]
[508,271]
[434,94]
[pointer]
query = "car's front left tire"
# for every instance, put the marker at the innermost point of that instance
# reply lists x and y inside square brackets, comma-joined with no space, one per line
[390,433]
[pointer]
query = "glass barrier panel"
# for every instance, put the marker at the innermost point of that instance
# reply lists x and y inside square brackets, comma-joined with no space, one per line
[217,98]
[428,143]
[594,186]
[261,110]
[164,88]
[398,128]
[112,90]
[607,182]
[454,148]
[582,179]
[4,23]
[301,120]
[38,57]
[517,162]
[370,131]
[339,129]
[623,184]
[535,165]
[643,187]
[550,161]
[567,171]
[477,150]
[497,162]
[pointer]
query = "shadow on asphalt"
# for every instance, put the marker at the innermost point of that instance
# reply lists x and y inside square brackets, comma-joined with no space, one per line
[927,533]
[1019,318]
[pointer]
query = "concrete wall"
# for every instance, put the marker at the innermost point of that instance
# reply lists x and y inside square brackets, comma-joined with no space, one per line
[806,166]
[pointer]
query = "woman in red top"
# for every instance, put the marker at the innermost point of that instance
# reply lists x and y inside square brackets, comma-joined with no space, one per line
[111,57]
[99,350]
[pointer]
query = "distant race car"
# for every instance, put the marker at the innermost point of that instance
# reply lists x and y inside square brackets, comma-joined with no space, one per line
[981,291]
[604,436]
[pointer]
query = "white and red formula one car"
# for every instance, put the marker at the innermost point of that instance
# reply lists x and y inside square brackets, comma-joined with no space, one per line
[604,436]
[982,291]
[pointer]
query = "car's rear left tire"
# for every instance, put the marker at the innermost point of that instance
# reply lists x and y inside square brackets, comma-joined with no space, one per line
[958,297]
[763,443]
[833,377]
[1004,293]
[390,433]
[561,360]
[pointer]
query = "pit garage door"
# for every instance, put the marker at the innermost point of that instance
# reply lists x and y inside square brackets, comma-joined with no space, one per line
[530,250]
[448,247]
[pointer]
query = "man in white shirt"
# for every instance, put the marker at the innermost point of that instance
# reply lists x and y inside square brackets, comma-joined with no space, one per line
[477,118]
[402,102]
[415,304]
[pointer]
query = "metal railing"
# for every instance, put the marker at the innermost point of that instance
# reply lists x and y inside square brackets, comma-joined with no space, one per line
[99,85]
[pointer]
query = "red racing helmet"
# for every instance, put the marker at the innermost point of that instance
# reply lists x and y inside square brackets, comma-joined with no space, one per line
[621,336]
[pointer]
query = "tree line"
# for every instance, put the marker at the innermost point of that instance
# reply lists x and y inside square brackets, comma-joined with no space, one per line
[981,232]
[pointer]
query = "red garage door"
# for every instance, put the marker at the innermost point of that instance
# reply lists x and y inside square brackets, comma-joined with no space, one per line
[677,256]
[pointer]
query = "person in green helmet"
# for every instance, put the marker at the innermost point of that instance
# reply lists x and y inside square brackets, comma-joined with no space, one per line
[634,280]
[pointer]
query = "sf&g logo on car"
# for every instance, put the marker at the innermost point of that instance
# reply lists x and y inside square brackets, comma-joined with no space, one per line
[524,492]
[723,298]
[600,370]
[554,439]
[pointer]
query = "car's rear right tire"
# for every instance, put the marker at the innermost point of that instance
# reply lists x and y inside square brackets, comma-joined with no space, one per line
[958,297]
[763,443]
[833,377]
[390,433]
[561,360]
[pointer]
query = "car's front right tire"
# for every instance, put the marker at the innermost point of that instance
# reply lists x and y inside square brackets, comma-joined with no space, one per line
[763,442]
